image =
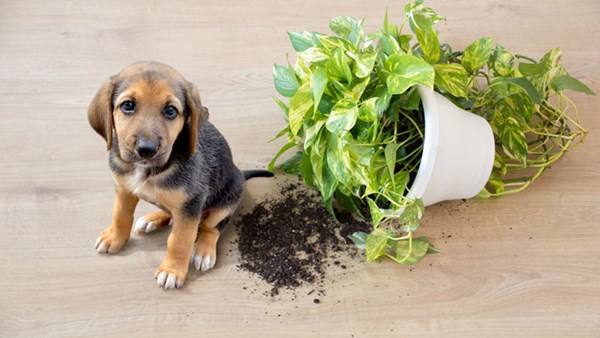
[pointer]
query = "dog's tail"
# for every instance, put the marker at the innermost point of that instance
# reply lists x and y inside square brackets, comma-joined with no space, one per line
[248,174]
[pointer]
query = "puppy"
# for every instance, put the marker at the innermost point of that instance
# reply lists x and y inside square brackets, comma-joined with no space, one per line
[163,150]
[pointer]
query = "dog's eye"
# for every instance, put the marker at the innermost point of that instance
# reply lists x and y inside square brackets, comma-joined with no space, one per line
[128,107]
[170,112]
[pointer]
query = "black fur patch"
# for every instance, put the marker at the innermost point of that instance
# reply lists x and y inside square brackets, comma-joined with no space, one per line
[221,226]
[192,207]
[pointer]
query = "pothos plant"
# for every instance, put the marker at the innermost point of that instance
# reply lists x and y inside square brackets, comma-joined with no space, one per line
[355,119]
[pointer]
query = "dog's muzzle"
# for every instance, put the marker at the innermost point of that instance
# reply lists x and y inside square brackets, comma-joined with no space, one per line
[146,149]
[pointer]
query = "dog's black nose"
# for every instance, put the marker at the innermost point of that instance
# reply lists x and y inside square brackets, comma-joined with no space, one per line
[146,149]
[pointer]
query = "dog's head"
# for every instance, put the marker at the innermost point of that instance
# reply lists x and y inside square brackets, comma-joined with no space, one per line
[147,106]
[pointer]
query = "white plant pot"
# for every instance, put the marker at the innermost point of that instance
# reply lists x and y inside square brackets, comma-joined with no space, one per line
[458,151]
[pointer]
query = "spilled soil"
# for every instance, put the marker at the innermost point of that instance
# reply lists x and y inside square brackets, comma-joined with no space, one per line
[291,240]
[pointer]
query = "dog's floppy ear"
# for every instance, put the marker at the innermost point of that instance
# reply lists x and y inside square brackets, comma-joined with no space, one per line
[100,112]
[196,114]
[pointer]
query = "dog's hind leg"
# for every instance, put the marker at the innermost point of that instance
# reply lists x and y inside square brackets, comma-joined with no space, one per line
[205,249]
[151,222]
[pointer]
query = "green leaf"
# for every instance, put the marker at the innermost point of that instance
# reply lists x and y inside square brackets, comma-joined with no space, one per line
[413,101]
[367,111]
[407,71]
[332,43]
[432,250]
[389,45]
[347,202]
[282,132]
[338,160]
[551,60]
[329,183]
[421,20]
[404,41]
[372,37]
[326,104]
[303,40]
[285,80]
[313,55]
[407,255]
[429,42]
[375,245]
[343,116]
[317,158]
[284,107]
[347,28]
[281,151]
[499,164]
[477,54]
[383,95]
[531,69]
[360,239]
[300,105]
[397,189]
[387,29]
[483,194]
[502,62]
[306,169]
[390,158]
[524,84]
[313,133]
[292,165]
[303,70]
[329,206]
[358,89]
[452,78]
[318,82]
[364,63]
[513,140]
[411,215]
[420,16]
[496,181]
[338,66]
[376,214]
[566,82]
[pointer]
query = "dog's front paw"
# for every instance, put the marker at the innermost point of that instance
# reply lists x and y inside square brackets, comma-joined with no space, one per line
[170,277]
[110,242]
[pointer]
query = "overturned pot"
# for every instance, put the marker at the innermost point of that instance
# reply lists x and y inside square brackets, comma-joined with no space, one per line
[458,151]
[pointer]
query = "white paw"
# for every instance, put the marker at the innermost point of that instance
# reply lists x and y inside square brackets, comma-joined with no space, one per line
[100,246]
[203,263]
[143,226]
[104,247]
[168,281]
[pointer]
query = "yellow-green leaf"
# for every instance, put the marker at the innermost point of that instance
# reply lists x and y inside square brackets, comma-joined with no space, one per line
[343,116]
[407,71]
[513,140]
[300,105]
[408,253]
[477,54]
[375,246]
[452,78]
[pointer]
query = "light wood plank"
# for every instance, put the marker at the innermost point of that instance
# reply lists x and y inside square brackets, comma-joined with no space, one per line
[524,265]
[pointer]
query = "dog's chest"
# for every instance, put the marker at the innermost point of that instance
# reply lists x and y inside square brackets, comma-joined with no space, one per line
[141,184]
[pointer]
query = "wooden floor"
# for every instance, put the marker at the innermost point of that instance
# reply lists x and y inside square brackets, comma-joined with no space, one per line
[524,265]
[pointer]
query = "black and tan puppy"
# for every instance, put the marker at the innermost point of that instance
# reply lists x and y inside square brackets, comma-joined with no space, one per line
[163,150]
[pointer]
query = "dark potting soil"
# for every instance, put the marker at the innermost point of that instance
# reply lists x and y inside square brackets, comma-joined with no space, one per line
[290,240]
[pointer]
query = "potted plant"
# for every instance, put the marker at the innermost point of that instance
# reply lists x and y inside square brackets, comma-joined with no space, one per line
[357,110]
